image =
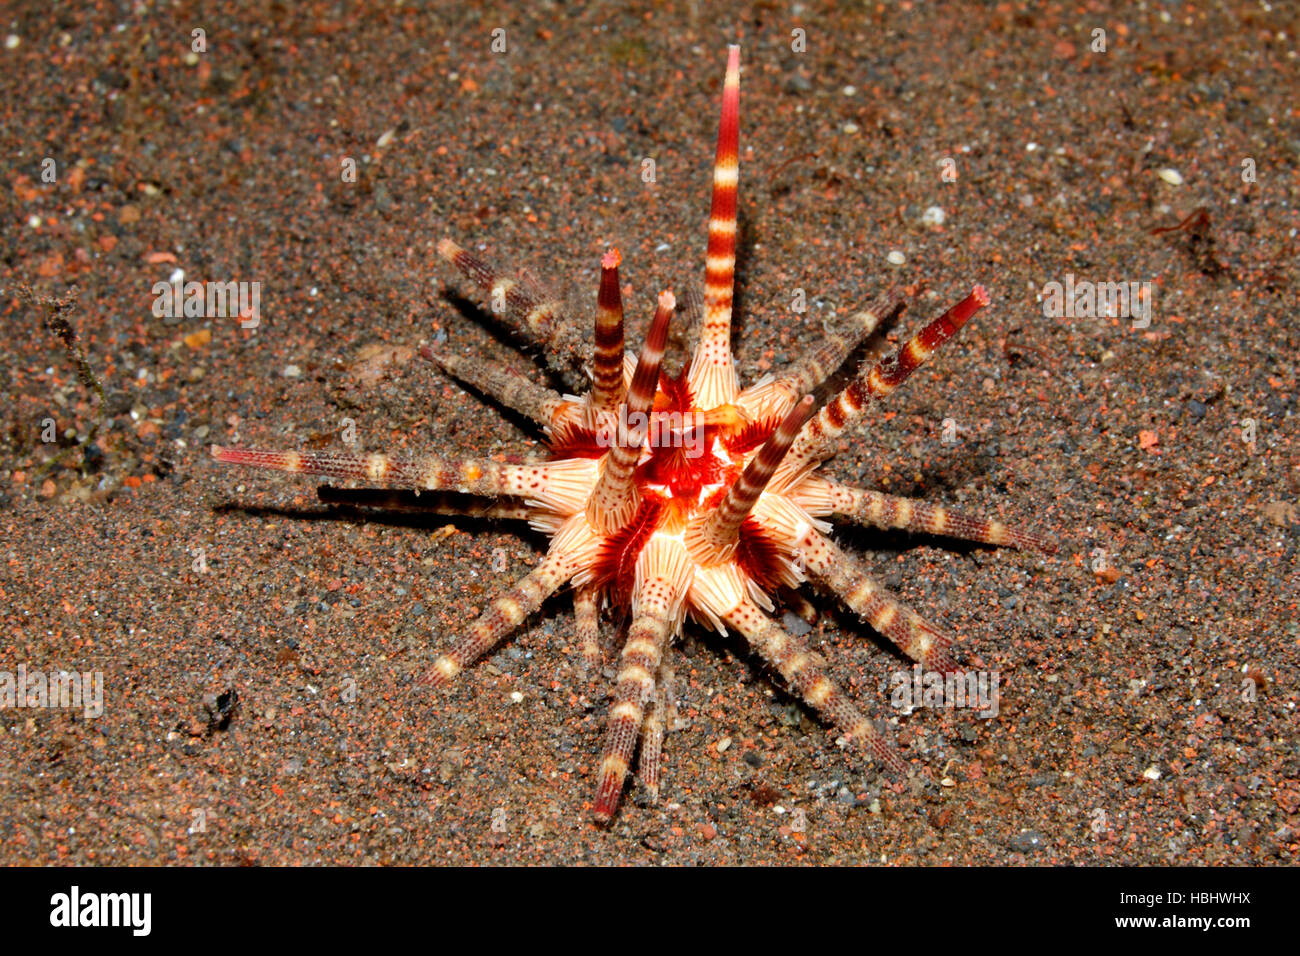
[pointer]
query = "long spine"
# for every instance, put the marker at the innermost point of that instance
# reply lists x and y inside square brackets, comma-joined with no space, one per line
[713,374]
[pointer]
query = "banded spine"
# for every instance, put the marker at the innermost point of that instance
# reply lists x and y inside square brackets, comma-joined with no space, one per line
[503,615]
[559,486]
[608,384]
[713,373]
[614,500]
[713,539]
[912,514]
[844,576]
[874,383]
[802,670]
[837,344]
[663,576]
[534,317]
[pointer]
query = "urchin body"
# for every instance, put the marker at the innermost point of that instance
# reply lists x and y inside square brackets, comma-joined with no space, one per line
[672,497]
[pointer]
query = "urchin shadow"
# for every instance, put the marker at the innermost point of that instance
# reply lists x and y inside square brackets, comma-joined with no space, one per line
[503,336]
[938,481]
[740,277]
[890,542]
[390,508]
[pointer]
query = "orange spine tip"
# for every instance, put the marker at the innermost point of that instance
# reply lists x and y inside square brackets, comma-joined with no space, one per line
[609,298]
[947,325]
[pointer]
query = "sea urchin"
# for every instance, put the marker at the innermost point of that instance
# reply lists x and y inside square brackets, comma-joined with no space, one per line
[666,496]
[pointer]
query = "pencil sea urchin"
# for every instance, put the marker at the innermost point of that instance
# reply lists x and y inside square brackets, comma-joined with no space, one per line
[666,496]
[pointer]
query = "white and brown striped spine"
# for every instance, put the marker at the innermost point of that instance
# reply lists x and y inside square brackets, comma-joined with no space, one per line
[879,380]
[427,474]
[838,344]
[586,613]
[608,384]
[842,574]
[656,722]
[614,499]
[465,475]
[503,615]
[802,670]
[713,539]
[663,575]
[910,514]
[713,374]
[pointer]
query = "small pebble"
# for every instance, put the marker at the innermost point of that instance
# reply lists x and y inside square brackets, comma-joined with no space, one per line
[895,258]
[1172,176]
[292,371]
[934,216]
